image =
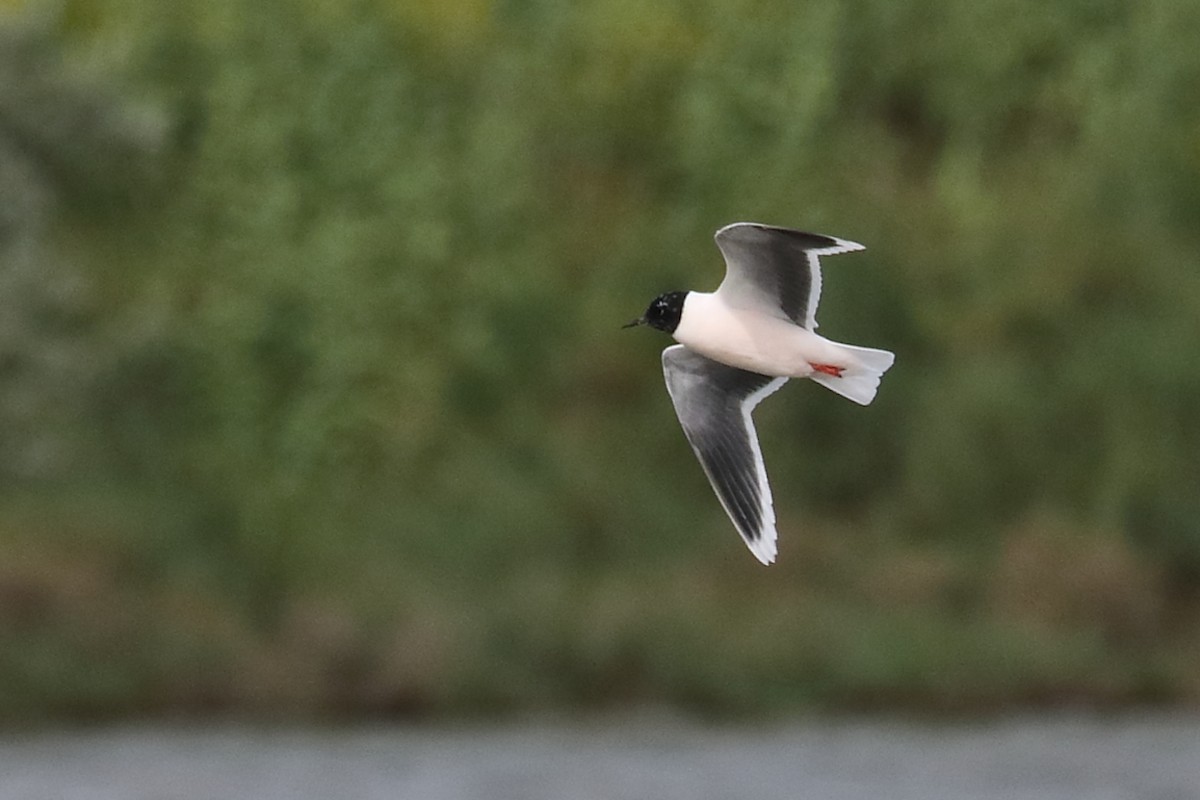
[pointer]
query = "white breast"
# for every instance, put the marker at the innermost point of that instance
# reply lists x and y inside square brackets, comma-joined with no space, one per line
[749,339]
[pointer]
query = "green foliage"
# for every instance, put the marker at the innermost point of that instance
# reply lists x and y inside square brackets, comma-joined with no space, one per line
[376,441]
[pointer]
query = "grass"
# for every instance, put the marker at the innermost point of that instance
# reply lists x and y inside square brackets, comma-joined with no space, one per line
[314,400]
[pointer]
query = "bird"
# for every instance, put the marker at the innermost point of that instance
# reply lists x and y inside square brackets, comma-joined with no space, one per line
[740,344]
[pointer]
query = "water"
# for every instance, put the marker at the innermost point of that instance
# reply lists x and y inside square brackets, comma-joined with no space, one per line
[1156,758]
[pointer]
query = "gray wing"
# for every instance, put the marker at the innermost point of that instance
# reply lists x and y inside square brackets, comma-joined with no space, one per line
[713,402]
[776,270]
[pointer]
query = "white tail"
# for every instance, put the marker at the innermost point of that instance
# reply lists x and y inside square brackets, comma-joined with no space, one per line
[860,379]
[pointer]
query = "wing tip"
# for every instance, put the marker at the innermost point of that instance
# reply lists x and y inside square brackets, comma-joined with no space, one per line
[840,246]
[765,546]
[765,551]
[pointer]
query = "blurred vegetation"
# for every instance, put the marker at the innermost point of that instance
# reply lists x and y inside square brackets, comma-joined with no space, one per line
[314,401]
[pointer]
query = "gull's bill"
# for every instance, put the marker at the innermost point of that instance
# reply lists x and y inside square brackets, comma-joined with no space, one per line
[775,270]
[713,402]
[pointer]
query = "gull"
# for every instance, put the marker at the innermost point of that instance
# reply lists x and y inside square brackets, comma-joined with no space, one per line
[741,343]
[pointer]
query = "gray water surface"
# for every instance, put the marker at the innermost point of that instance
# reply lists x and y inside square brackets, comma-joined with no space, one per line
[1156,758]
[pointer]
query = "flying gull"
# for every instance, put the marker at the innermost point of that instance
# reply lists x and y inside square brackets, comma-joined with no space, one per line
[739,344]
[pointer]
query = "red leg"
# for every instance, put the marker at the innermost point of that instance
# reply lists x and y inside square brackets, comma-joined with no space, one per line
[829,369]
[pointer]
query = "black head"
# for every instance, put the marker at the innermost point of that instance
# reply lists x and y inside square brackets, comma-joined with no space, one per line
[663,313]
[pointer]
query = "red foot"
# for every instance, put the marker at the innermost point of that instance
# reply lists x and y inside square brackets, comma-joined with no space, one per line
[829,369]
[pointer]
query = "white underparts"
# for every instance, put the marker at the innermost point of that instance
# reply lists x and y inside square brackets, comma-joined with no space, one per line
[770,345]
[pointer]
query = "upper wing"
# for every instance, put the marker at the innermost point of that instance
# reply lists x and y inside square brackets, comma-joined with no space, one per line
[775,270]
[713,402]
